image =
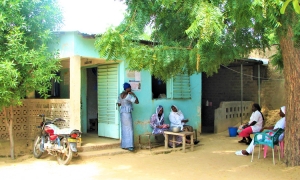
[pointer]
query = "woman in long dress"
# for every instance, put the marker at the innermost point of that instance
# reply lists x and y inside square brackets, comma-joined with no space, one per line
[157,121]
[125,101]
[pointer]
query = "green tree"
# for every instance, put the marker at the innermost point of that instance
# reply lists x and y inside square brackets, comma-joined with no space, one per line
[26,62]
[199,35]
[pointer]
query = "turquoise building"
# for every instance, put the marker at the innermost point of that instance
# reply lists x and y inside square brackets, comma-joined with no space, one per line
[93,85]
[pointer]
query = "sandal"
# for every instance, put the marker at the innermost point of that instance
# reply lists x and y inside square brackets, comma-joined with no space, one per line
[239,153]
[243,141]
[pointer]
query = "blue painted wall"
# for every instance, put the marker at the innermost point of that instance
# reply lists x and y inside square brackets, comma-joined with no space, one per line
[72,43]
[191,108]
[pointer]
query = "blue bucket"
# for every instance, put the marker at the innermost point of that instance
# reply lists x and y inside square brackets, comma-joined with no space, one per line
[232,131]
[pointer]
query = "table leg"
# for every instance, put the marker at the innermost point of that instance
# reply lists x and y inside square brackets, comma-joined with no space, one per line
[183,143]
[174,142]
[166,140]
[140,145]
[149,142]
[192,142]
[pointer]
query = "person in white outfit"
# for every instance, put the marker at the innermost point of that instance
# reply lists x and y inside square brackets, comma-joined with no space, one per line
[177,119]
[255,124]
[279,124]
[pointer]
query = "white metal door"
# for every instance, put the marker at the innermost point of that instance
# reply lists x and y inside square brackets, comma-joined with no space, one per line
[108,124]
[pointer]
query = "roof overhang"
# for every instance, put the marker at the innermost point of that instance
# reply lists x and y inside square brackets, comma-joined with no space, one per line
[249,62]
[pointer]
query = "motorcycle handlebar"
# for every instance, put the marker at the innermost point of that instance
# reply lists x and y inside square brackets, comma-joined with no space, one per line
[52,120]
[58,119]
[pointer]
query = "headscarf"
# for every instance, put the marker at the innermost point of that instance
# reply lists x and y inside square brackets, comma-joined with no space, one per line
[178,111]
[283,109]
[159,107]
[126,85]
[176,118]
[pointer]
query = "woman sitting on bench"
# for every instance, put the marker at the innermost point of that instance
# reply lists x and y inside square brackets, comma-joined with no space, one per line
[157,121]
[177,119]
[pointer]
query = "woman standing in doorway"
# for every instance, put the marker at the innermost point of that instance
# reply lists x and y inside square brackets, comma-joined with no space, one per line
[125,100]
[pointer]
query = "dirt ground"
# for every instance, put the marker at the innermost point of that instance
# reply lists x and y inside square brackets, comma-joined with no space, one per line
[213,158]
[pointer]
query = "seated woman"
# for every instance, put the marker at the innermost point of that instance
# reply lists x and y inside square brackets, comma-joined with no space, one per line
[254,125]
[176,118]
[280,124]
[157,121]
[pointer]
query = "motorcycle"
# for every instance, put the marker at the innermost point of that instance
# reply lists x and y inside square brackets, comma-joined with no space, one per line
[61,143]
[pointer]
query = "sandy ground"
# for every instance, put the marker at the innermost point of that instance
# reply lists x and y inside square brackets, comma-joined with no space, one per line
[213,158]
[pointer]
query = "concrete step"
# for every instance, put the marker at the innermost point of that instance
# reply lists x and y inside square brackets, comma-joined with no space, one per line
[99,147]
[104,152]
[162,150]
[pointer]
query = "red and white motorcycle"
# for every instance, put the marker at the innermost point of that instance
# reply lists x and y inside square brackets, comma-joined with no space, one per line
[57,142]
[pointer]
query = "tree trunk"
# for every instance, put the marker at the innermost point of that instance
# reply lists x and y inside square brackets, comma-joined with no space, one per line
[9,125]
[291,62]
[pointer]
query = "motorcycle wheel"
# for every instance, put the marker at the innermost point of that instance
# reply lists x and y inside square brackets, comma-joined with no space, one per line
[66,157]
[37,153]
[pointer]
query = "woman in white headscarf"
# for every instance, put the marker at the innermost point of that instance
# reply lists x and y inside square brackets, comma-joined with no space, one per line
[279,124]
[176,118]
[157,121]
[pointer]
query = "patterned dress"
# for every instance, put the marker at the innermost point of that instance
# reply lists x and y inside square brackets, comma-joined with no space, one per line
[126,120]
[157,121]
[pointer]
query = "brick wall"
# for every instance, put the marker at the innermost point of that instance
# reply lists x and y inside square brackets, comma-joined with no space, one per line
[226,86]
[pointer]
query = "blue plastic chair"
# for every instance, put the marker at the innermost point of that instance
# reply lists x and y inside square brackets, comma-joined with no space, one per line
[269,140]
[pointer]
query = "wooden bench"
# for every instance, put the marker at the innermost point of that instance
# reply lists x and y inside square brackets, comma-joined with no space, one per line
[150,144]
[183,135]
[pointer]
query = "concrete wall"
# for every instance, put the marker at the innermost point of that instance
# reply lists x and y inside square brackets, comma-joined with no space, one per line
[230,114]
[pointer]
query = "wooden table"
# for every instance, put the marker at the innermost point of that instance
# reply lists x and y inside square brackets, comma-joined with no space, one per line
[150,144]
[183,135]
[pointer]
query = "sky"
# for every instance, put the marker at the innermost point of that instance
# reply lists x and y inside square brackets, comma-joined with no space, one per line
[91,16]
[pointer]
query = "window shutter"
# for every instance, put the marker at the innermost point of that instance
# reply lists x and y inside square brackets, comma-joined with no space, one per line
[181,87]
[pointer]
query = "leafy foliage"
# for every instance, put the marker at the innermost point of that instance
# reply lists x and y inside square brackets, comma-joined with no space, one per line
[295,3]
[192,36]
[26,62]
[200,35]
[277,60]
